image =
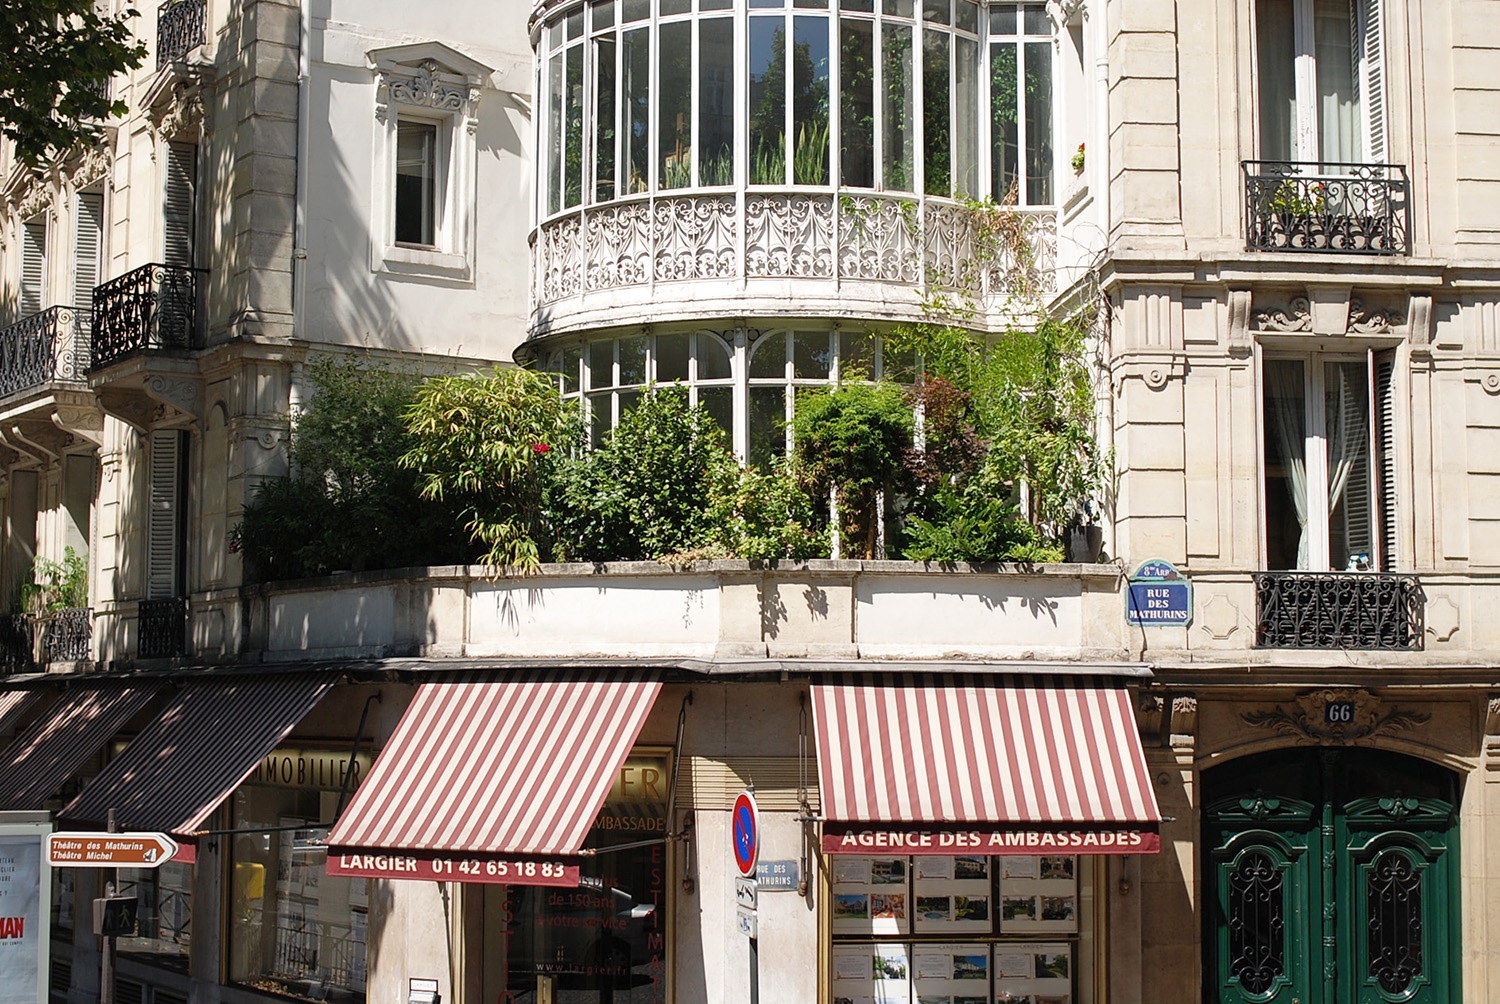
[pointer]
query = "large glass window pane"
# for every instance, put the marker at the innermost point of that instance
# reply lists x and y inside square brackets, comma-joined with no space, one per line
[554,137]
[897,121]
[635,172]
[713,358]
[767,101]
[164,914]
[601,364]
[636,10]
[1004,120]
[811,359]
[1276,54]
[767,425]
[1038,123]
[936,137]
[716,102]
[935,11]
[966,117]
[601,418]
[416,182]
[292,925]
[604,113]
[857,104]
[856,355]
[769,358]
[674,99]
[1285,464]
[573,132]
[671,358]
[570,360]
[719,403]
[632,361]
[810,101]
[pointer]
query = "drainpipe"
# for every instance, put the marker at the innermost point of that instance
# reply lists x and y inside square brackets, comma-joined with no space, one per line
[304,143]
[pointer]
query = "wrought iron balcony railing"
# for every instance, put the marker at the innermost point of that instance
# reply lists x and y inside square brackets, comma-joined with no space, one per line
[66,635]
[179,29]
[1335,208]
[51,345]
[153,307]
[1338,610]
[163,628]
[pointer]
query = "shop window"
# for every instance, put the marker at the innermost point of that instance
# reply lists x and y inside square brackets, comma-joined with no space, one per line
[163,912]
[1329,498]
[1320,81]
[294,930]
[963,928]
[605,941]
[423,191]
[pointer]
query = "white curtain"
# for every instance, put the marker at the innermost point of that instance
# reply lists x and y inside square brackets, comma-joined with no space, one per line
[1338,95]
[1288,414]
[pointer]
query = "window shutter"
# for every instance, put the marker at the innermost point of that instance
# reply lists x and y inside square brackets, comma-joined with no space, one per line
[1385,446]
[179,217]
[1369,56]
[33,266]
[164,529]
[88,241]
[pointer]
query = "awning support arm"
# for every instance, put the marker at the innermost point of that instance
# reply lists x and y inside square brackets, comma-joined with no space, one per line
[359,737]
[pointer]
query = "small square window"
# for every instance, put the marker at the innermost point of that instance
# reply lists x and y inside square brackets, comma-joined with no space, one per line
[416,193]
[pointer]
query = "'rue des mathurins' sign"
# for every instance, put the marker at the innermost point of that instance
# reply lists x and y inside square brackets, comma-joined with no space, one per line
[1159,596]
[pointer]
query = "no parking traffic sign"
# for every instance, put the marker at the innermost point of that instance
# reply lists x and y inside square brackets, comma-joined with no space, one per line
[745,829]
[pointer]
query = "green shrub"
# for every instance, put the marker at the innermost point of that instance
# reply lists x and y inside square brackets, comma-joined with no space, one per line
[646,492]
[854,439]
[978,522]
[488,444]
[348,503]
[766,516]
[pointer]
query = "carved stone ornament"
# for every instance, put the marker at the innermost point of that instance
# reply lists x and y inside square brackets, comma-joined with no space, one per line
[1373,320]
[89,168]
[180,116]
[36,198]
[427,85]
[1295,316]
[1307,717]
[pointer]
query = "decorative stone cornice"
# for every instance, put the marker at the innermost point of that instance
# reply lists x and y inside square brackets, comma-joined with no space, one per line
[1295,316]
[1306,717]
[1373,320]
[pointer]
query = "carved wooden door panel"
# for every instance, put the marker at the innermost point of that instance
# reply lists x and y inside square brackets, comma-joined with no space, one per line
[1331,879]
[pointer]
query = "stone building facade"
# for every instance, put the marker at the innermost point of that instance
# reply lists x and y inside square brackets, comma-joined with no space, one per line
[1281,213]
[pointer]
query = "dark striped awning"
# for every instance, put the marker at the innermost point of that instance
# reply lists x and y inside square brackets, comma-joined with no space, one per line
[14,704]
[506,768]
[53,748]
[203,745]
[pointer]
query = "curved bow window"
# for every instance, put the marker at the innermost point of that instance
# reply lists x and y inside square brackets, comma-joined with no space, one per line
[951,98]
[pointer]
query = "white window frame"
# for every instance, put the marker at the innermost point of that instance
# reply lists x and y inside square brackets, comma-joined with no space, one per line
[1369,76]
[427,82]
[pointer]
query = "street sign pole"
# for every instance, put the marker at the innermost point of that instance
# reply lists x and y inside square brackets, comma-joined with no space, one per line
[744,829]
[107,962]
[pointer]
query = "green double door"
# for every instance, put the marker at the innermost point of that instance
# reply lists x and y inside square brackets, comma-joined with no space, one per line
[1331,878]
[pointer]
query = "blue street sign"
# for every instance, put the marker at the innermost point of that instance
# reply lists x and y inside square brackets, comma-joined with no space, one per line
[1159,596]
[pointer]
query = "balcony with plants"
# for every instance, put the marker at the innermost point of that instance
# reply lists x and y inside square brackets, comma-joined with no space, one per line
[1360,209]
[52,623]
[774,158]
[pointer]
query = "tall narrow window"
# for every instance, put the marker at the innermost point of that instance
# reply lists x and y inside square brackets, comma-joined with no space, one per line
[416,183]
[167,523]
[716,101]
[897,118]
[1324,462]
[88,246]
[181,212]
[1021,104]
[33,266]
[674,97]
[605,76]
[1320,90]
[857,102]
[635,173]
[767,100]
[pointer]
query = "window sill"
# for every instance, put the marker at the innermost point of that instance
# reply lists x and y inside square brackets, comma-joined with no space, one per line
[400,259]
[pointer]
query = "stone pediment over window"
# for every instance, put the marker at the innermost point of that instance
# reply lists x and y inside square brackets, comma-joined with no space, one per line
[428,75]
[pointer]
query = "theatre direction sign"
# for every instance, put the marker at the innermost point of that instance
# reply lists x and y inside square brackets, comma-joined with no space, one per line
[109,850]
[1159,596]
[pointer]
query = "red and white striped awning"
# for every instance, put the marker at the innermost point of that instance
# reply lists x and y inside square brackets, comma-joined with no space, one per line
[943,764]
[494,781]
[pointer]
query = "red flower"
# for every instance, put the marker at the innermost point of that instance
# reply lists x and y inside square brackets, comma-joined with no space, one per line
[540,447]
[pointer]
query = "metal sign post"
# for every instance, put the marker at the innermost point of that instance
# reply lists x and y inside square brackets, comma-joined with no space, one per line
[744,826]
[107,960]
